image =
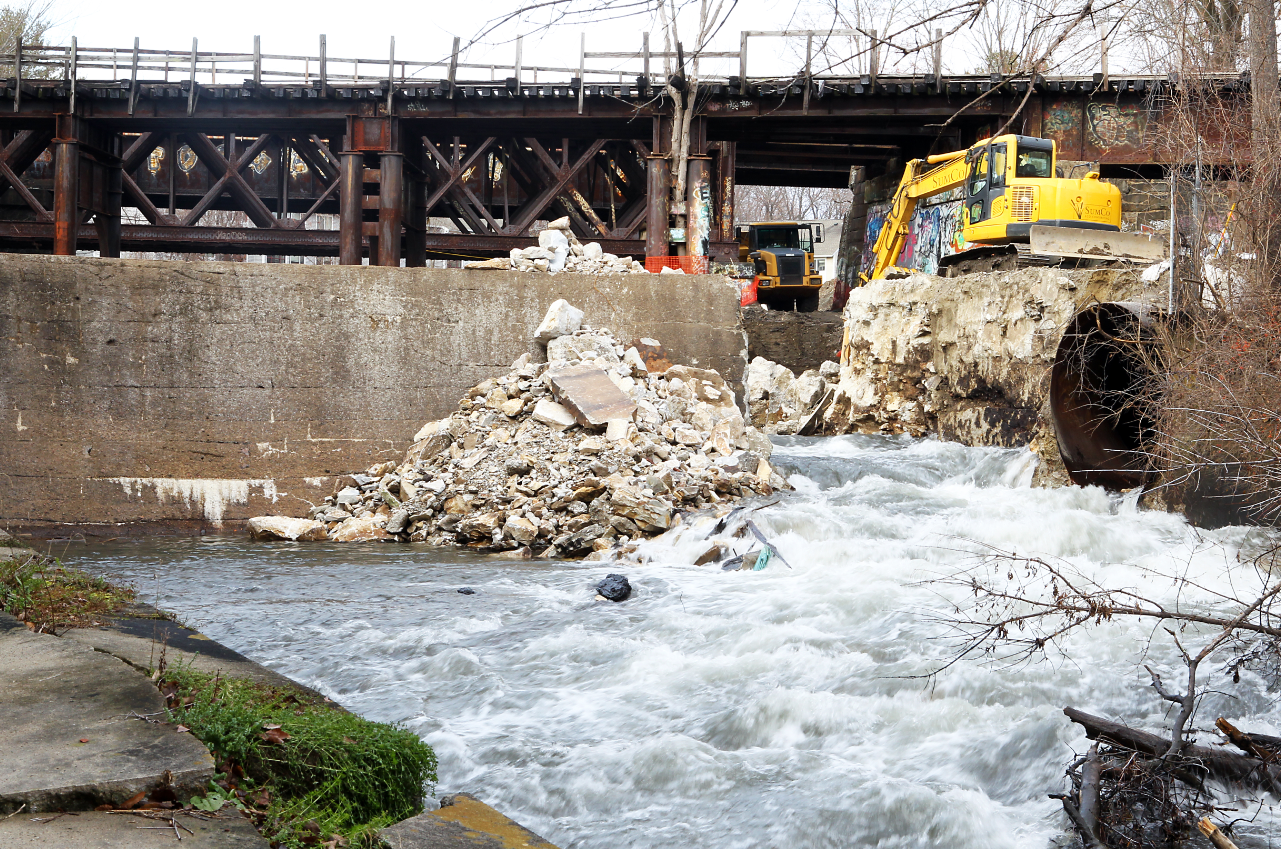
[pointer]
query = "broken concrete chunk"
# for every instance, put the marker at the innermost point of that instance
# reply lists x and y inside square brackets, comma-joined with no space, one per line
[555,416]
[520,529]
[590,395]
[561,223]
[283,527]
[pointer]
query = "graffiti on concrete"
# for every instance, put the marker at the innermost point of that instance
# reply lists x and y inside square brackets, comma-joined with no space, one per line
[934,231]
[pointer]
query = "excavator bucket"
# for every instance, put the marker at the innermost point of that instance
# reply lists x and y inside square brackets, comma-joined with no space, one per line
[1095,244]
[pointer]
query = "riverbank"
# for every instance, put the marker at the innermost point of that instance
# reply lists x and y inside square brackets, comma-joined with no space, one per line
[177,729]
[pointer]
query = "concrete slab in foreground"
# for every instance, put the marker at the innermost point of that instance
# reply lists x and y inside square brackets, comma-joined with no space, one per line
[226,830]
[463,822]
[66,737]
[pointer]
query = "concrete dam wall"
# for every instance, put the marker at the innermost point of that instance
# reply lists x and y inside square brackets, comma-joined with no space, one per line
[192,395]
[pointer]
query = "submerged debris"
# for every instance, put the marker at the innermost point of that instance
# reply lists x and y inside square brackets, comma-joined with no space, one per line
[614,588]
[598,447]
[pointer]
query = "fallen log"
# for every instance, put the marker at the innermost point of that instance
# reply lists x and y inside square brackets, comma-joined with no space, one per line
[1222,765]
[1091,775]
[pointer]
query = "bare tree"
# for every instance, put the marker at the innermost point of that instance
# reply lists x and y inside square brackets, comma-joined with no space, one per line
[29,22]
[789,203]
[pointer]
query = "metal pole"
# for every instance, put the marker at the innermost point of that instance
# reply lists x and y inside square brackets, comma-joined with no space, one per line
[324,67]
[73,75]
[742,61]
[658,198]
[257,61]
[518,42]
[938,56]
[191,95]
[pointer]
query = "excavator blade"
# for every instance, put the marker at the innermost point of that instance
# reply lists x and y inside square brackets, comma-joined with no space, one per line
[1095,244]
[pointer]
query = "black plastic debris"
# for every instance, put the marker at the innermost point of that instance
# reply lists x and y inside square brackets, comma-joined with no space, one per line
[615,588]
[466,591]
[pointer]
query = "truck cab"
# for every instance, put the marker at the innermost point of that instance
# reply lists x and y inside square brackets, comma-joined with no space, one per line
[782,256]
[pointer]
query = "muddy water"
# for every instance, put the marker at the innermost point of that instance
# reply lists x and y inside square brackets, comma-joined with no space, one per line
[783,707]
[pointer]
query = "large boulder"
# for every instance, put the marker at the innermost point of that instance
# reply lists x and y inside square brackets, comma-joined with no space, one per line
[283,527]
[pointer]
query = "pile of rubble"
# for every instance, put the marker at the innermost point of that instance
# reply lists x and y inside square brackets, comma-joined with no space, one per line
[558,249]
[595,448]
[780,402]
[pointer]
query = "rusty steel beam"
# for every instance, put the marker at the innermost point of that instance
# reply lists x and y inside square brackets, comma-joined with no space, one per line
[26,235]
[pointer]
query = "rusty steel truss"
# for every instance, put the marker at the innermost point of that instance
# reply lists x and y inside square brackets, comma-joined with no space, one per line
[398,169]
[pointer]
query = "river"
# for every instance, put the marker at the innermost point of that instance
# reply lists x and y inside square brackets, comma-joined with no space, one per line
[783,707]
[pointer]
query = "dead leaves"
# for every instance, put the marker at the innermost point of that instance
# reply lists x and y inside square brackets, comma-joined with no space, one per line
[274,734]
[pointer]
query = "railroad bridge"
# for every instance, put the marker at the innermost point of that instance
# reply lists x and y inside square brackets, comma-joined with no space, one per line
[377,157]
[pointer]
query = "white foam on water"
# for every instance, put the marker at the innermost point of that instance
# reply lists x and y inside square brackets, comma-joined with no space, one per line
[783,707]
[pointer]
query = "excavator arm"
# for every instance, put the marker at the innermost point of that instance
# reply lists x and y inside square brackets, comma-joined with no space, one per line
[922,178]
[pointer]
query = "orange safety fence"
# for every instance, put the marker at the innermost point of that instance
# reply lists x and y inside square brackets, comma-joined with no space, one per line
[687,264]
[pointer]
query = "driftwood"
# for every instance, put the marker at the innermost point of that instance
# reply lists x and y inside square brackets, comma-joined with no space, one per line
[1091,775]
[1218,838]
[1194,760]
[1260,745]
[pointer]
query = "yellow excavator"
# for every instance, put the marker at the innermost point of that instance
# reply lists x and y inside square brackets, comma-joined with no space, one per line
[1011,196]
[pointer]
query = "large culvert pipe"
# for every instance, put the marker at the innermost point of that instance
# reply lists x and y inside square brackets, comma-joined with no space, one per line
[1100,389]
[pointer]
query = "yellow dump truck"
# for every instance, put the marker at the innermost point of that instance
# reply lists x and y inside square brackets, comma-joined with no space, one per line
[782,254]
[1011,196]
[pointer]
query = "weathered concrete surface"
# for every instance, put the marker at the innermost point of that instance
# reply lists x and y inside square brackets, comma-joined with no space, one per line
[200,393]
[967,358]
[66,737]
[799,341]
[463,822]
[89,830]
[141,637]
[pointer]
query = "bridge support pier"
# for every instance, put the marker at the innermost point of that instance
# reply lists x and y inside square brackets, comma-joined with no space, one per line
[391,205]
[351,201]
[66,196]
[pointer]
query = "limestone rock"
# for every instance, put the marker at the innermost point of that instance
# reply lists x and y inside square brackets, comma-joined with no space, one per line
[555,416]
[561,319]
[520,529]
[366,529]
[599,349]
[283,527]
[502,263]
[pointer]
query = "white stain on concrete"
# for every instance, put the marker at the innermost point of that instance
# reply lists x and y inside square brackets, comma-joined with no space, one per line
[211,495]
[315,481]
[21,427]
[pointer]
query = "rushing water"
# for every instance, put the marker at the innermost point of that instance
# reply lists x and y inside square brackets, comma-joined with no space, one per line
[729,709]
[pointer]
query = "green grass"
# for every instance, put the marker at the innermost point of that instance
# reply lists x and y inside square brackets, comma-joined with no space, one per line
[333,774]
[50,596]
